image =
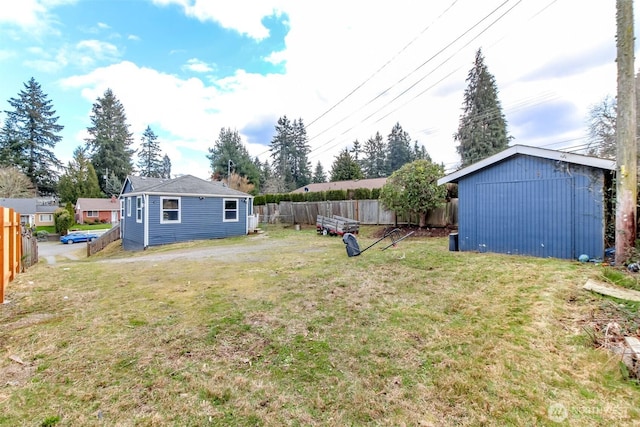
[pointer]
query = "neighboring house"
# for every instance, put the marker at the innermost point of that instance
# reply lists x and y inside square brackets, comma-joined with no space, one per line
[25,207]
[89,210]
[159,211]
[533,201]
[33,211]
[371,184]
[44,214]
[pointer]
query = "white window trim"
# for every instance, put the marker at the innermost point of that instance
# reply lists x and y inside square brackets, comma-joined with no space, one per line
[128,206]
[97,215]
[121,208]
[224,210]
[162,220]
[139,206]
[49,217]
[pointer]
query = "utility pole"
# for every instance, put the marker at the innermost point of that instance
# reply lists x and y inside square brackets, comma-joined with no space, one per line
[627,174]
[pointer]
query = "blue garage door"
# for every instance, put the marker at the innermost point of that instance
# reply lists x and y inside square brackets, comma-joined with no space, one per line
[526,217]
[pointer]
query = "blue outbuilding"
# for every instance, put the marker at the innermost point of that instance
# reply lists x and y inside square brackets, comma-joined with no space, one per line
[534,201]
[158,211]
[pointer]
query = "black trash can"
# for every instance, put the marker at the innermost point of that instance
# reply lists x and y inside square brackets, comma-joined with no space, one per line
[453,242]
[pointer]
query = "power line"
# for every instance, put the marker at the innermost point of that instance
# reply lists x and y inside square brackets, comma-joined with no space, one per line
[414,71]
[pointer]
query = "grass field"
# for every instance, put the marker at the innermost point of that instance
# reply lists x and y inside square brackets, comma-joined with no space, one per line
[299,334]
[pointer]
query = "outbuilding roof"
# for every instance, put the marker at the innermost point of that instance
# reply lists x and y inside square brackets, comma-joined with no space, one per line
[183,185]
[562,156]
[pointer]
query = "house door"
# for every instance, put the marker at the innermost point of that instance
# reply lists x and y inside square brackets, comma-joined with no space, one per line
[114,217]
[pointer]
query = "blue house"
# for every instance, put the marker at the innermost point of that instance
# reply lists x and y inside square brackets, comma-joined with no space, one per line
[158,211]
[534,201]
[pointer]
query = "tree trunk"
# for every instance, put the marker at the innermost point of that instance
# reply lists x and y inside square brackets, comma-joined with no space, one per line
[423,219]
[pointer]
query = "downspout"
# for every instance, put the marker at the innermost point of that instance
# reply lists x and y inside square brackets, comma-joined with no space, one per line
[145,221]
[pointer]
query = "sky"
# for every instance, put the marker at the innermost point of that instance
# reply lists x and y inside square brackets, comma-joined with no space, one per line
[347,69]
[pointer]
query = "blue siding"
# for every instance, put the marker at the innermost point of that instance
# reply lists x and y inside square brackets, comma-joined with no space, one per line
[200,219]
[533,206]
[133,232]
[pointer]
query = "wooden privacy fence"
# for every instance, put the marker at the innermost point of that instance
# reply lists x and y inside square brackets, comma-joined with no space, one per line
[11,245]
[100,243]
[367,212]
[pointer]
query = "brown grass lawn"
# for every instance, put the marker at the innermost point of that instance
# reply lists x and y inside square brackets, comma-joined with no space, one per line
[285,329]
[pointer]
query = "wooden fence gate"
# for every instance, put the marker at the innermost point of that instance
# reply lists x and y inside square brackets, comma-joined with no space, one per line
[11,245]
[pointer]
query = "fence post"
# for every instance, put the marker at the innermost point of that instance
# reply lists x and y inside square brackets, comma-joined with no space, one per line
[4,257]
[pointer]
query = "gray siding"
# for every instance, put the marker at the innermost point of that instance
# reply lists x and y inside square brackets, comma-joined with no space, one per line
[533,206]
[201,218]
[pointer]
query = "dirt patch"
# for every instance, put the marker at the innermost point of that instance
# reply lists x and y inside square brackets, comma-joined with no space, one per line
[417,231]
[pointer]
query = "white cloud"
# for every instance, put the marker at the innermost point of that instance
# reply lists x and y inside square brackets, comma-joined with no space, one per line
[30,14]
[92,51]
[198,66]
[242,16]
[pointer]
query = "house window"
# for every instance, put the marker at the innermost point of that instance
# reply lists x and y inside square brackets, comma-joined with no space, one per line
[169,210]
[128,206]
[92,214]
[139,209]
[46,218]
[230,210]
[122,208]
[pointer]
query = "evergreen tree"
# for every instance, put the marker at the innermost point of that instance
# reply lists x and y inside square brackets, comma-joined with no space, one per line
[318,175]
[289,151]
[356,150]
[230,155]
[166,167]
[482,131]
[375,157]
[79,180]
[399,146]
[419,152]
[149,156]
[109,143]
[345,167]
[30,134]
[113,184]
[301,167]
[10,148]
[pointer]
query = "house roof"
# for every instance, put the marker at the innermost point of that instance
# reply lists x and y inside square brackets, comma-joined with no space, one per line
[561,156]
[183,185]
[84,204]
[22,206]
[46,208]
[370,183]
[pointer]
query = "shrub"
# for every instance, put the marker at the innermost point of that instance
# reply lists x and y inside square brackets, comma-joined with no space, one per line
[336,195]
[297,197]
[259,200]
[362,194]
[62,220]
[315,196]
[375,193]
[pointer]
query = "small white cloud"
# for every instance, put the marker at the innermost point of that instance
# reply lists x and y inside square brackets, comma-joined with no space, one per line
[197,66]
[276,58]
[92,51]
[103,26]
[133,37]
